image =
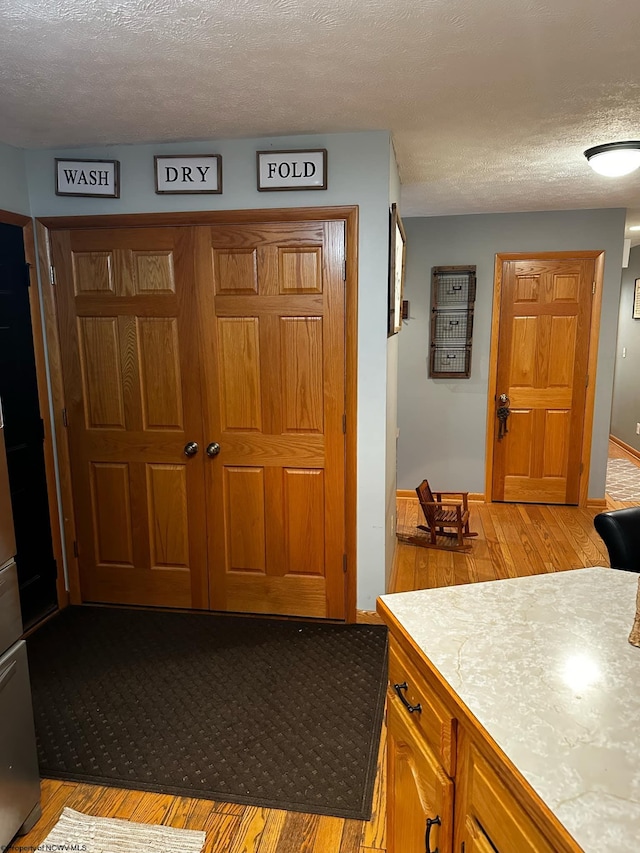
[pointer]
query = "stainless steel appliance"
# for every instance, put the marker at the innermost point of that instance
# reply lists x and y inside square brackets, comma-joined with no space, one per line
[19,778]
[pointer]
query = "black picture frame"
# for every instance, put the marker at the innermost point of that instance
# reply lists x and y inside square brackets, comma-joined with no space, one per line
[397,263]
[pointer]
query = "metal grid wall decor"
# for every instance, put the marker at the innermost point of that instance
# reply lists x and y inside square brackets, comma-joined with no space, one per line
[453,294]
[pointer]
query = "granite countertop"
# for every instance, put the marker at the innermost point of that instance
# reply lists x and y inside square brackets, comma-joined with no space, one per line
[544,665]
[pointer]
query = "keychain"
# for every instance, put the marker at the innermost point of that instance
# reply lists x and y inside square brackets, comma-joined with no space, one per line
[503,414]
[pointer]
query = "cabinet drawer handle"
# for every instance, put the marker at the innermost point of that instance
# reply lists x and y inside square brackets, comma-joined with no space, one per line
[427,838]
[410,708]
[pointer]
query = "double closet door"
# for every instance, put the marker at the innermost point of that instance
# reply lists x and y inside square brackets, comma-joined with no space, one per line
[204,376]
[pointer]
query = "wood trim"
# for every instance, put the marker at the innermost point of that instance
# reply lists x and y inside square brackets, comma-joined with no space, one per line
[624,446]
[493,376]
[348,213]
[26,223]
[596,503]
[592,369]
[478,497]
[351,404]
[587,431]
[58,403]
[199,217]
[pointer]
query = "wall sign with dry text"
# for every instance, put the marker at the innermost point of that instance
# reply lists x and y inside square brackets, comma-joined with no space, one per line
[89,178]
[279,171]
[180,174]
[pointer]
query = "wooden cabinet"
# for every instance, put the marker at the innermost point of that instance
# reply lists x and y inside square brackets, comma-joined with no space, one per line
[450,789]
[422,793]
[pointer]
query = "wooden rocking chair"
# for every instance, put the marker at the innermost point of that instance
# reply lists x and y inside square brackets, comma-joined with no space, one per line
[439,515]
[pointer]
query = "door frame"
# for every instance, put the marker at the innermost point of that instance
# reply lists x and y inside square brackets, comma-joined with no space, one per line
[347,213]
[594,333]
[26,223]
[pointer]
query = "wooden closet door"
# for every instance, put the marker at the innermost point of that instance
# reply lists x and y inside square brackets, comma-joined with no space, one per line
[130,351]
[273,315]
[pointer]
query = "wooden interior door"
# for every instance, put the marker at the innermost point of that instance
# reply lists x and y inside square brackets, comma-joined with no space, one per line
[543,352]
[274,368]
[130,353]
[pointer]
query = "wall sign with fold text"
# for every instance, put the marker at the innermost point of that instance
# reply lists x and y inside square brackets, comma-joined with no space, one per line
[279,171]
[88,178]
[181,174]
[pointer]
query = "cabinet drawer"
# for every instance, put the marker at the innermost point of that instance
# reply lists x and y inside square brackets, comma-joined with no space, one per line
[494,820]
[435,723]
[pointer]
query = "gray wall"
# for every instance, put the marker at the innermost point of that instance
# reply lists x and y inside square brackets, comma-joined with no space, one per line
[392,405]
[625,411]
[443,422]
[13,180]
[358,173]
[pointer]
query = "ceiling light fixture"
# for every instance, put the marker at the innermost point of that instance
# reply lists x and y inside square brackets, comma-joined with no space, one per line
[614,159]
[634,228]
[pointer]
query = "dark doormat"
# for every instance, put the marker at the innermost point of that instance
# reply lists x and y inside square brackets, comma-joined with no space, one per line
[281,714]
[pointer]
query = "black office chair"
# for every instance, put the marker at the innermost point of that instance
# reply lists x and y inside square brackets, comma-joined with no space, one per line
[620,532]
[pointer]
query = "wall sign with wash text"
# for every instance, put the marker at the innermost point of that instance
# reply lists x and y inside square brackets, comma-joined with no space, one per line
[88,178]
[292,170]
[188,173]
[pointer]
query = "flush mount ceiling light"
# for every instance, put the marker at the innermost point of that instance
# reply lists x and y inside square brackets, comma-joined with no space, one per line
[614,158]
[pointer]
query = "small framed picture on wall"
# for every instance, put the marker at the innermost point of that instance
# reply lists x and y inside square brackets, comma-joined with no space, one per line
[636,300]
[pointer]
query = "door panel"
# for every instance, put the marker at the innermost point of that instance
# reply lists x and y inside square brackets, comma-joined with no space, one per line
[543,351]
[274,384]
[130,350]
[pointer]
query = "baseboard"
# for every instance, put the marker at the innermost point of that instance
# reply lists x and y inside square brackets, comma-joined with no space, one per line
[624,446]
[411,493]
[368,617]
[596,503]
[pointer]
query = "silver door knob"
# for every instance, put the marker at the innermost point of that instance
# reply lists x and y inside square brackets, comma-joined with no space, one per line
[213,449]
[191,448]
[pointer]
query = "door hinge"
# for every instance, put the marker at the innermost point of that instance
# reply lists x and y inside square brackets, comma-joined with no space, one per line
[344,423]
[75,548]
[344,563]
[65,419]
[586,381]
[27,272]
[581,467]
[593,287]
[344,269]
[41,431]
[52,275]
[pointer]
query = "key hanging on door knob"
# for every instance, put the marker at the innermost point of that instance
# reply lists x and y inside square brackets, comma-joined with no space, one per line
[191,448]
[213,449]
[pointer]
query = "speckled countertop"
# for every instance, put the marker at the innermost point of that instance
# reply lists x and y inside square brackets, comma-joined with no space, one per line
[544,665]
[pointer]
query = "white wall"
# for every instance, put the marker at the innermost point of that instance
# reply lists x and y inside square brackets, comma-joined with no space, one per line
[13,180]
[358,173]
[443,422]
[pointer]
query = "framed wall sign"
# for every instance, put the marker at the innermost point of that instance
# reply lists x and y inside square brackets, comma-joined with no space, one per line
[88,178]
[636,300]
[279,171]
[397,254]
[179,174]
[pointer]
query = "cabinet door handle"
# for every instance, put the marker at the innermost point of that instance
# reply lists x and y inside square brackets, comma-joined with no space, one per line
[410,708]
[427,838]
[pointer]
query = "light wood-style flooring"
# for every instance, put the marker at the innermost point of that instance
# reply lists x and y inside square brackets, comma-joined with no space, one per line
[513,540]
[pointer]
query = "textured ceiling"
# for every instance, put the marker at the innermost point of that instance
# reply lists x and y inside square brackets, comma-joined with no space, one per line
[490,102]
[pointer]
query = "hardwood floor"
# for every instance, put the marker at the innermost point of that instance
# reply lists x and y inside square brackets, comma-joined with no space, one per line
[230,828]
[513,540]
